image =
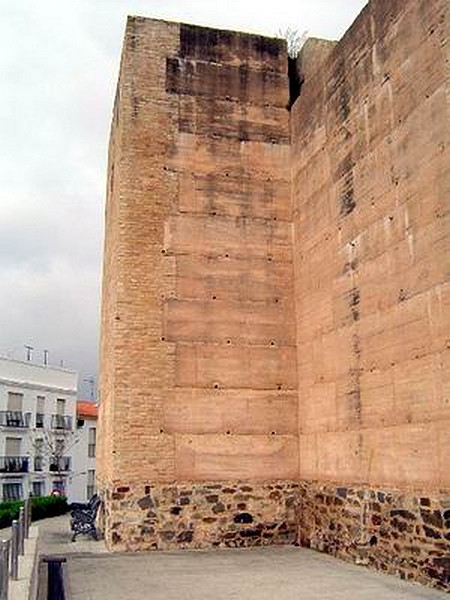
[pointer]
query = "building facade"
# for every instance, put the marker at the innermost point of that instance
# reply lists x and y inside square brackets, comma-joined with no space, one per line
[276,294]
[82,485]
[37,421]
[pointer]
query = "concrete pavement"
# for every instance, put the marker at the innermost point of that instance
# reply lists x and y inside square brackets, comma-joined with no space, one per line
[257,574]
[276,573]
[55,537]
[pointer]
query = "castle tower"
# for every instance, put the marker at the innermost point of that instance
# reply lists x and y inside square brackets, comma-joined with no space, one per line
[199,379]
[275,318]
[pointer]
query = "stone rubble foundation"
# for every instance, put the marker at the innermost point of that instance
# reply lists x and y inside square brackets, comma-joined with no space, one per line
[401,534]
[201,515]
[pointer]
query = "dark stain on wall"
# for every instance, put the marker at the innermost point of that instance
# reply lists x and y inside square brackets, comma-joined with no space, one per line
[206,79]
[216,45]
[347,198]
[353,301]
[354,394]
[204,43]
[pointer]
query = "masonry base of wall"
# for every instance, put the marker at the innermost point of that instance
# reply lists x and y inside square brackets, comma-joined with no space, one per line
[200,515]
[402,534]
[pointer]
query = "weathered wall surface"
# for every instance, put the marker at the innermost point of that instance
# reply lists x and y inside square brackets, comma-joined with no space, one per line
[198,321]
[371,182]
[229,319]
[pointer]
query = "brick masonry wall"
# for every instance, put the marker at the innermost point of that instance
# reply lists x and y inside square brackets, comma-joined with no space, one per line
[136,366]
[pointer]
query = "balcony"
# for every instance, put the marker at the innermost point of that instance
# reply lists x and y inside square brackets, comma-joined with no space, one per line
[14,418]
[60,464]
[63,422]
[38,463]
[13,464]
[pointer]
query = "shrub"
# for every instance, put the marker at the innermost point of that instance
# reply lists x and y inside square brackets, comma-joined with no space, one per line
[48,506]
[41,508]
[9,513]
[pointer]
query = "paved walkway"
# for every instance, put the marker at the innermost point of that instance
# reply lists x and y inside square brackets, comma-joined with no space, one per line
[55,538]
[275,573]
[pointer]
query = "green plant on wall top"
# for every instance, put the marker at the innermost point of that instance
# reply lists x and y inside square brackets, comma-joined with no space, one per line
[294,40]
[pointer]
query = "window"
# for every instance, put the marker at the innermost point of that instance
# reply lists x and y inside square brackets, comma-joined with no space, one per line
[12,446]
[15,401]
[13,415]
[91,442]
[39,447]
[40,411]
[12,491]
[60,420]
[38,455]
[38,488]
[12,462]
[58,486]
[90,488]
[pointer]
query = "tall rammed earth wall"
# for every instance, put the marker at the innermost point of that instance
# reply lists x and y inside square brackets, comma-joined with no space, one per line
[276,301]
[371,199]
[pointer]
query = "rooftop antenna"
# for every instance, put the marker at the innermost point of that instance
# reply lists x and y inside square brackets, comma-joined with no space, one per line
[45,357]
[29,351]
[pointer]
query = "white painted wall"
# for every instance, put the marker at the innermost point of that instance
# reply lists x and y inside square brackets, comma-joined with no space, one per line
[82,462]
[28,374]
[33,380]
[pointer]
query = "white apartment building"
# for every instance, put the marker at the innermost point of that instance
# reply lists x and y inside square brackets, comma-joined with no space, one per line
[37,429]
[82,485]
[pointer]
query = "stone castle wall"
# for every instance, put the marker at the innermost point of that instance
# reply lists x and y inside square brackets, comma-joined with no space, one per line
[275,316]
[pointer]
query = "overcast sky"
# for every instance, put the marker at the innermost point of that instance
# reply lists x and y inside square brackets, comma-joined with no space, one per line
[58,67]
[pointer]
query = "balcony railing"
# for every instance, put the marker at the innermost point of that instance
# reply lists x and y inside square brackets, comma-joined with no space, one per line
[39,420]
[13,464]
[61,422]
[14,418]
[58,465]
[38,463]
